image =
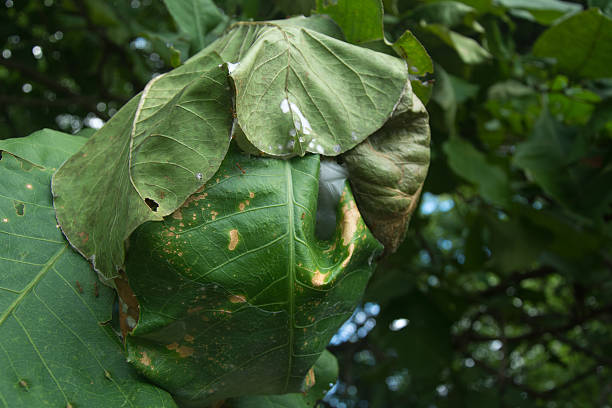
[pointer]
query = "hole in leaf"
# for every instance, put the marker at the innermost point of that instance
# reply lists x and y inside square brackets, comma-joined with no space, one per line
[152,204]
[19,208]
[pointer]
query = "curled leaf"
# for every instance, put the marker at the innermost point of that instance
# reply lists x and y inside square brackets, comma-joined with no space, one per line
[299,90]
[144,163]
[388,169]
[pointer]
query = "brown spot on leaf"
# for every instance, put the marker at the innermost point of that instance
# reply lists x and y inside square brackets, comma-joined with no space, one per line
[145,359]
[233,239]
[193,310]
[350,254]
[84,237]
[127,317]
[251,194]
[237,299]
[177,215]
[189,338]
[184,351]
[241,206]
[309,381]
[213,215]
[172,346]
[319,278]
[350,216]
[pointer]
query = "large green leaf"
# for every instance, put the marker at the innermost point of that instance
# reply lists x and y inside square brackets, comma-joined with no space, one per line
[320,379]
[291,80]
[55,348]
[144,163]
[236,294]
[388,169]
[581,45]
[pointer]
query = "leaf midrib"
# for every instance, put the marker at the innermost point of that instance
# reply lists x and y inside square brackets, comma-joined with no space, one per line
[291,265]
[32,283]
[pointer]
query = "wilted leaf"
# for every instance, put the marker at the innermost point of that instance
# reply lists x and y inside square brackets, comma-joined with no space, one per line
[388,169]
[144,163]
[581,45]
[323,374]
[55,350]
[291,80]
[236,294]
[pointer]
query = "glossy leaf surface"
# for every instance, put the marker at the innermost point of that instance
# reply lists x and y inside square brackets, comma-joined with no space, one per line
[236,294]
[55,350]
[145,162]
[387,171]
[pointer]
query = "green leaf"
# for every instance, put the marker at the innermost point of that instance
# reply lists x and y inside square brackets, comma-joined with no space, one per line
[144,163]
[551,151]
[55,349]
[604,5]
[196,18]
[542,11]
[467,49]
[581,45]
[472,165]
[362,23]
[324,374]
[447,13]
[236,294]
[360,20]
[409,48]
[287,91]
[388,169]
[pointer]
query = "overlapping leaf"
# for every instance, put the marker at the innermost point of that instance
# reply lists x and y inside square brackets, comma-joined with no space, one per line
[54,349]
[145,162]
[299,90]
[388,169]
[236,294]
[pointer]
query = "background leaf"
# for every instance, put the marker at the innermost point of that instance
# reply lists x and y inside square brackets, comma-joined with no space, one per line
[581,45]
[56,347]
[197,19]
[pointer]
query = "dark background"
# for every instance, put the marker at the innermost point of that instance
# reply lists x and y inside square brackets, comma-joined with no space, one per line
[501,295]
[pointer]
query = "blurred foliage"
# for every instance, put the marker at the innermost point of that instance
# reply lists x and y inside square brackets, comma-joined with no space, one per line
[501,296]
